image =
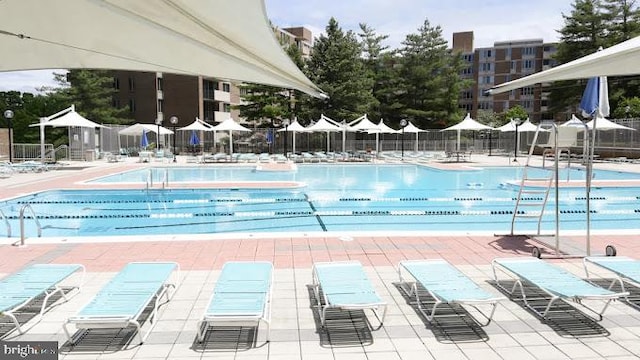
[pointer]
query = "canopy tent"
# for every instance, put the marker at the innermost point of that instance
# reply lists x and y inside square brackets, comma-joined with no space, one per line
[410,128]
[620,59]
[325,124]
[362,124]
[574,121]
[467,124]
[294,127]
[230,125]
[223,39]
[606,124]
[65,118]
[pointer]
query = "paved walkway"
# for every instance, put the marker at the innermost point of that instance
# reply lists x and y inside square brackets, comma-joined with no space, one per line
[296,333]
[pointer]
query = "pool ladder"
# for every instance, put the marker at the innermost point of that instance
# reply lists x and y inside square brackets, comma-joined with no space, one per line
[6,223]
[35,218]
[149,181]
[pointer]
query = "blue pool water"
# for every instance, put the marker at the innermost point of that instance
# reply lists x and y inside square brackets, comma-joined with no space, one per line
[332,198]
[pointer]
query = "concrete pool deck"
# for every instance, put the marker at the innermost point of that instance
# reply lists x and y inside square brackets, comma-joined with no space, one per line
[296,333]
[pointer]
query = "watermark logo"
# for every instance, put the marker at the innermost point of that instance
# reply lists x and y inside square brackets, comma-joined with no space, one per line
[31,350]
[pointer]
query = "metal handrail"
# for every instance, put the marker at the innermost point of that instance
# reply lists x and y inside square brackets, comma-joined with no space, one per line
[165,180]
[35,218]
[149,181]
[6,222]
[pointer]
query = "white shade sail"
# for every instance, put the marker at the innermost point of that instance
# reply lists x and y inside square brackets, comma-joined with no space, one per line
[294,127]
[467,124]
[323,125]
[385,129]
[621,59]
[574,121]
[230,40]
[410,128]
[363,124]
[136,130]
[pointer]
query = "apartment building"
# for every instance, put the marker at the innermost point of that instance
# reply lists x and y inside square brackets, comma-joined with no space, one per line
[505,61]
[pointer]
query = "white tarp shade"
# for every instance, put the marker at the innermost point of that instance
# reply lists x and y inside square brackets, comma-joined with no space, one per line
[70,119]
[621,59]
[574,121]
[385,129]
[229,40]
[362,124]
[137,129]
[328,125]
[231,126]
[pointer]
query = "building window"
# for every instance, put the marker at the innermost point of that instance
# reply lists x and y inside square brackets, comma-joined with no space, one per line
[486,53]
[132,84]
[527,104]
[514,64]
[160,83]
[116,83]
[526,91]
[226,87]
[160,105]
[508,52]
[244,91]
[132,105]
[528,51]
[528,64]
[208,89]
[486,66]
[115,102]
[209,111]
[226,107]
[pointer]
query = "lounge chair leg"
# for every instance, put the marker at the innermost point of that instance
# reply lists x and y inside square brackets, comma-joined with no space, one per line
[15,321]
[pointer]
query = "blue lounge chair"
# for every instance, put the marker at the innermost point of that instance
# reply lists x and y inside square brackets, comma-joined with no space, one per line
[625,269]
[446,285]
[121,301]
[344,285]
[242,294]
[558,283]
[20,289]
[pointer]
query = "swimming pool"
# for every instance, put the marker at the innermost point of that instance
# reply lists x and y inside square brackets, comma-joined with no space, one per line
[340,198]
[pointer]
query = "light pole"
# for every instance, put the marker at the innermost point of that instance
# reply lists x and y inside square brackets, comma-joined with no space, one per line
[174,121]
[8,114]
[515,152]
[403,124]
[158,122]
[286,127]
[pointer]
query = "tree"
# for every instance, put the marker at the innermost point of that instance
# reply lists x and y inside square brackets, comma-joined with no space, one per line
[373,54]
[28,108]
[622,20]
[583,33]
[628,108]
[516,112]
[430,81]
[336,67]
[91,91]
[263,103]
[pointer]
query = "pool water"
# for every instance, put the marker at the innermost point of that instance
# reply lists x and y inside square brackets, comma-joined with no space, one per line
[344,198]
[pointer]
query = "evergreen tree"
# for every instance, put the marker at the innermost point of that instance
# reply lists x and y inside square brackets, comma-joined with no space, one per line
[373,53]
[429,75]
[622,18]
[263,104]
[336,67]
[91,91]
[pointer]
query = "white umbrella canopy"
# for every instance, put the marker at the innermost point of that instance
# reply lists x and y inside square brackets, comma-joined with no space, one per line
[410,128]
[325,124]
[221,39]
[197,125]
[467,124]
[385,129]
[231,126]
[136,130]
[508,127]
[362,124]
[528,126]
[294,127]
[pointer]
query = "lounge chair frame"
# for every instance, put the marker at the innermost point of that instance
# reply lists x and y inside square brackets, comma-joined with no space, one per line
[48,290]
[240,317]
[114,321]
[620,277]
[325,304]
[559,274]
[411,289]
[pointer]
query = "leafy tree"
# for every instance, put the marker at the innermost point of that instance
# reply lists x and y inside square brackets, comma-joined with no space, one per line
[488,117]
[28,108]
[263,103]
[516,112]
[628,108]
[337,68]
[583,33]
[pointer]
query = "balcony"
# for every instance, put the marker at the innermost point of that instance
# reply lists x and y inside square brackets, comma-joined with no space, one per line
[221,96]
[221,115]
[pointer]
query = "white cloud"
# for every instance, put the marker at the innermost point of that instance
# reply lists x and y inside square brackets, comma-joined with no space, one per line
[27,81]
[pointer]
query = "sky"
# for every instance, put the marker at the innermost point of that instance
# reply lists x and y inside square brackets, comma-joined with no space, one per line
[490,20]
